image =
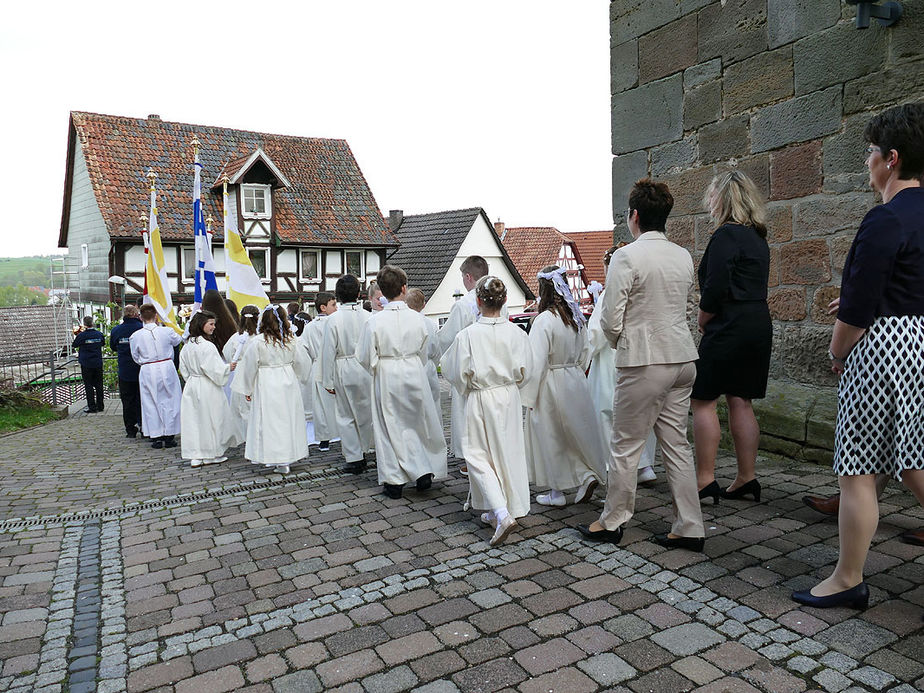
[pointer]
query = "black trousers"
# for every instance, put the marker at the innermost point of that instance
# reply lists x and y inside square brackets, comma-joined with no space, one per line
[130,394]
[93,385]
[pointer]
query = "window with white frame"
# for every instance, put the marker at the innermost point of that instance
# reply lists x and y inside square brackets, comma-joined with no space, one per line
[259,258]
[310,266]
[84,256]
[354,263]
[189,263]
[257,201]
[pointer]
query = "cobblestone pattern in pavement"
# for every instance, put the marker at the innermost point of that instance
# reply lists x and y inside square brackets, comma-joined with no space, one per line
[323,584]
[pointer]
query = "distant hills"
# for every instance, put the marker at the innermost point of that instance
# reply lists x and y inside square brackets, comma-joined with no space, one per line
[28,271]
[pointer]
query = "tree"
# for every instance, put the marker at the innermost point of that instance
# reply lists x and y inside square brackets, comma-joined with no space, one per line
[20,295]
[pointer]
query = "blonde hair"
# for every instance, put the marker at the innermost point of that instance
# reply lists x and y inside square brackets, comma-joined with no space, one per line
[737,200]
[415,300]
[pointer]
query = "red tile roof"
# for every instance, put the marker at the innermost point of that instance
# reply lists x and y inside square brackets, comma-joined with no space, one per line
[531,248]
[329,201]
[591,246]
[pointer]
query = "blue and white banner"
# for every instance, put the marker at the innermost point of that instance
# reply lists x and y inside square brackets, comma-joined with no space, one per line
[205,263]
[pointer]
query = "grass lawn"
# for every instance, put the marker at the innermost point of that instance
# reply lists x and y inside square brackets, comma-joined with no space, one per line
[13,418]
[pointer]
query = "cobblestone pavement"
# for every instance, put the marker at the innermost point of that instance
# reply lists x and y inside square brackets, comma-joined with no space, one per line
[138,573]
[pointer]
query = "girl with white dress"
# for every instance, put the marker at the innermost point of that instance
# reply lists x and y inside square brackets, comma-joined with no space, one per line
[489,362]
[268,375]
[233,353]
[205,417]
[563,442]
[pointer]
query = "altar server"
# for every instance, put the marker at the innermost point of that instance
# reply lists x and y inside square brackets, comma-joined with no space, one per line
[269,374]
[343,376]
[207,429]
[233,353]
[152,349]
[394,347]
[323,403]
[563,443]
[417,301]
[488,363]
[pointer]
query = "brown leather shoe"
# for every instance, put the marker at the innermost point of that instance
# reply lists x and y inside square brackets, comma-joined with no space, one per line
[826,505]
[916,537]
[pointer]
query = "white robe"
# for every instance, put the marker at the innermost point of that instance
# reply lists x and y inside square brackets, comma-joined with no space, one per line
[563,441]
[240,408]
[152,348]
[394,348]
[269,372]
[342,373]
[602,381]
[324,404]
[488,363]
[433,362]
[205,415]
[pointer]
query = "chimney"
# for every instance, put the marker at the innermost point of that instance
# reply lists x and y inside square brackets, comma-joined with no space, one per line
[153,116]
[500,229]
[395,217]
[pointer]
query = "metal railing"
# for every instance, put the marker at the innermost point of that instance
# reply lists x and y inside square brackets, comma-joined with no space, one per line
[56,381]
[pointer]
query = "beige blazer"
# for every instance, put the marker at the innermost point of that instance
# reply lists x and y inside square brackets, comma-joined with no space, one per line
[649,291]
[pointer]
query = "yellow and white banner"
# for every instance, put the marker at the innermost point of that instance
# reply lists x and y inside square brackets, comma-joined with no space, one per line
[244,286]
[155,271]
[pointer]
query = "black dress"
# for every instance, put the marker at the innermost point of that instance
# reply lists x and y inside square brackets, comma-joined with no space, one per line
[734,354]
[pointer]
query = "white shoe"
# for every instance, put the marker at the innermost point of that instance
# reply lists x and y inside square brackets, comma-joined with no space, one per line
[215,460]
[283,469]
[488,519]
[195,463]
[548,499]
[646,475]
[463,469]
[504,527]
[586,491]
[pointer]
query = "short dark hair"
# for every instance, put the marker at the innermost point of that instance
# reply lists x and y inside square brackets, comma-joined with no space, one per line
[390,280]
[900,128]
[474,265]
[322,298]
[148,312]
[293,308]
[653,202]
[347,289]
[88,320]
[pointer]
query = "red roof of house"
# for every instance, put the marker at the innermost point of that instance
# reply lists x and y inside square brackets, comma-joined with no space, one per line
[329,201]
[531,248]
[591,247]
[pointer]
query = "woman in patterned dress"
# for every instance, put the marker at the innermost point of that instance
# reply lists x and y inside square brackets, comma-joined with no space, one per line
[877,348]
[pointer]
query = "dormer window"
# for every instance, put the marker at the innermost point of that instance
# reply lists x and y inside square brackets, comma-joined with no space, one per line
[257,201]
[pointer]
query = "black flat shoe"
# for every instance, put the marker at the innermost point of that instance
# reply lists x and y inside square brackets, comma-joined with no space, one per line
[355,467]
[610,536]
[711,490]
[855,598]
[392,490]
[157,444]
[689,543]
[425,482]
[752,488]
[170,443]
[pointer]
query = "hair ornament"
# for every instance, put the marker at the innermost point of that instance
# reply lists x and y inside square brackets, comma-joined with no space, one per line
[557,277]
[595,289]
[383,301]
[275,309]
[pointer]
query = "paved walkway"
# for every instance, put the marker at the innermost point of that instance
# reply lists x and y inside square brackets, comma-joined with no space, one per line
[135,572]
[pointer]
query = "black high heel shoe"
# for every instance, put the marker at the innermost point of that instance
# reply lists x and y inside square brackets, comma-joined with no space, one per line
[752,488]
[856,598]
[711,490]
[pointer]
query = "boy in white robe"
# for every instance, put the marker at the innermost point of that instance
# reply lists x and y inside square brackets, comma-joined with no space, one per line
[324,404]
[343,376]
[489,362]
[394,347]
[417,301]
[233,353]
[205,415]
[152,349]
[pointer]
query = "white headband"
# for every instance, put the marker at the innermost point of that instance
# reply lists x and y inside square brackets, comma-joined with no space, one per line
[595,289]
[275,310]
[557,277]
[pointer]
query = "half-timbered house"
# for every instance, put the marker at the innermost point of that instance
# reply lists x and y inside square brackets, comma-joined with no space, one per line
[304,209]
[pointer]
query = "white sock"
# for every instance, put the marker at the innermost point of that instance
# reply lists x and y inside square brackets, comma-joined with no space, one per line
[500,514]
[555,494]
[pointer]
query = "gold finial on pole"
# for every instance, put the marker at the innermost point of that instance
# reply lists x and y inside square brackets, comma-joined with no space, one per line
[144,222]
[208,223]
[195,144]
[152,177]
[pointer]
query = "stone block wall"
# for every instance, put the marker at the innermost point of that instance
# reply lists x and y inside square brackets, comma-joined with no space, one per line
[782,89]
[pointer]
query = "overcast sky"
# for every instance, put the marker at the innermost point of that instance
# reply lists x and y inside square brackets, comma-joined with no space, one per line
[502,104]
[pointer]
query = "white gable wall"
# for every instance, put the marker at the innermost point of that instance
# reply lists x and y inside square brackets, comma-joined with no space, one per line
[481,240]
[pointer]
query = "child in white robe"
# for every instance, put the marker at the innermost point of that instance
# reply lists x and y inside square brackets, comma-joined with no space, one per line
[417,301]
[563,442]
[489,362]
[394,347]
[161,392]
[205,416]
[233,353]
[344,377]
[300,321]
[269,374]
[324,403]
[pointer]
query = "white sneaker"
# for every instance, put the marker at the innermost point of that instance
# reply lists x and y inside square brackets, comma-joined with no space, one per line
[504,527]
[283,469]
[488,519]
[586,491]
[549,499]
[215,460]
[195,463]
[646,475]
[463,469]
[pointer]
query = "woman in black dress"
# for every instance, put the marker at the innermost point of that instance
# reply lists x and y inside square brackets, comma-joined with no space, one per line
[734,354]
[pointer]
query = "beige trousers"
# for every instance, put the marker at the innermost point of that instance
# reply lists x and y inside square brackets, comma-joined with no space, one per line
[656,397]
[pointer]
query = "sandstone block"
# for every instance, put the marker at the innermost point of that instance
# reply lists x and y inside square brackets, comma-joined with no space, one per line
[627,169]
[803,351]
[790,20]
[703,229]
[820,300]
[796,171]
[680,231]
[796,120]
[840,247]
[702,104]
[844,157]
[823,215]
[837,55]
[648,115]
[702,73]
[884,87]
[821,420]
[633,18]
[758,169]
[673,157]
[688,188]
[784,411]
[787,304]
[805,262]
[655,62]
[732,30]
[724,140]
[780,223]
[623,66]
[905,37]
[774,276]
[763,79]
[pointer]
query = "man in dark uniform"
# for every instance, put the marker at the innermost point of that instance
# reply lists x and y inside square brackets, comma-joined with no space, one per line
[90,342]
[119,342]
